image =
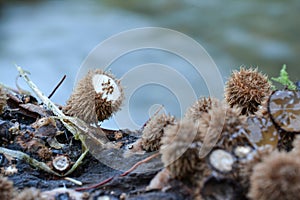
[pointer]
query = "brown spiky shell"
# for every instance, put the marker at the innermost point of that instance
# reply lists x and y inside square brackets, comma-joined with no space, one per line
[154,130]
[6,188]
[276,177]
[180,152]
[202,105]
[223,127]
[247,89]
[92,106]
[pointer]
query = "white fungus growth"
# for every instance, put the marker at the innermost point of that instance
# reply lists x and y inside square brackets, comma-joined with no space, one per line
[107,86]
[61,163]
[96,97]
[242,151]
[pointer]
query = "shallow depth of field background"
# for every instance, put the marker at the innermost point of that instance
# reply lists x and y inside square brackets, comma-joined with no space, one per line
[51,38]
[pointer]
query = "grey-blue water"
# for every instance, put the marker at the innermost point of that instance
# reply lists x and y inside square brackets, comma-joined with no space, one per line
[52,38]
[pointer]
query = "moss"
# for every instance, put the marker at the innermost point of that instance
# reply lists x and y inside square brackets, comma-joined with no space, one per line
[284,79]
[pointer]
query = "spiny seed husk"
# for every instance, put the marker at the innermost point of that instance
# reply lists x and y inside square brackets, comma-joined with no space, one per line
[276,177]
[154,130]
[223,127]
[247,89]
[92,106]
[202,105]
[180,152]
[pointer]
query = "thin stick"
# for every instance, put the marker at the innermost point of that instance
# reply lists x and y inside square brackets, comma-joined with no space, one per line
[51,106]
[96,185]
[57,86]
[73,181]
[72,127]
[139,163]
[121,175]
[76,126]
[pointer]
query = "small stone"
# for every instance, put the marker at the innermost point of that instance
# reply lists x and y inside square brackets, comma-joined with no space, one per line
[221,160]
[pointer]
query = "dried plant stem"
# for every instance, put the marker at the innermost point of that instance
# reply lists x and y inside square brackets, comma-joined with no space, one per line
[139,163]
[49,104]
[57,86]
[95,185]
[73,181]
[75,126]
[27,158]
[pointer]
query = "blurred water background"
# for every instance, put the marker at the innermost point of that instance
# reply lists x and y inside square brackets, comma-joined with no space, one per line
[51,38]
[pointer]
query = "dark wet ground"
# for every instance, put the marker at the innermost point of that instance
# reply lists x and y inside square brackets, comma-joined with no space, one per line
[92,171]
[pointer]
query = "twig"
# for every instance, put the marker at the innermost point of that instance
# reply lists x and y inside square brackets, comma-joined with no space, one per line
[73,181]
[96,185]
[139,163]
[27,158]
[57,86]
[76,126]
[121,175]
[50,105]
[77,131]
